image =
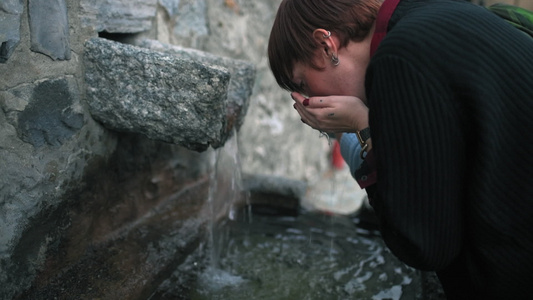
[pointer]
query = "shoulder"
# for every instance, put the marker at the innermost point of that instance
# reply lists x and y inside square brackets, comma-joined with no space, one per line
[445,35]
[435,25]
[439,12]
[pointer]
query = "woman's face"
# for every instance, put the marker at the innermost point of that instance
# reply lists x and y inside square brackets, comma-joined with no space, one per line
[346,79]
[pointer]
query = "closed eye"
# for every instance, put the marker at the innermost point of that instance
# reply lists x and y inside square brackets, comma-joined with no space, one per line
[301,88]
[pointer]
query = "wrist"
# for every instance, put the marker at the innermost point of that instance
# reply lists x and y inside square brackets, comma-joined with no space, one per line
[360,124]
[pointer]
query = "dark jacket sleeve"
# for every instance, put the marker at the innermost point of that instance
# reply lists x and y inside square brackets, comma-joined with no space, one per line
[417,139]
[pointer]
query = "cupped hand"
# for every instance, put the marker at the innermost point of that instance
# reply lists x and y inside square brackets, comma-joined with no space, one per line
[332,113]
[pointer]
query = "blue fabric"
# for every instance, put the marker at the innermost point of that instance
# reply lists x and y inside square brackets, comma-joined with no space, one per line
[351,151]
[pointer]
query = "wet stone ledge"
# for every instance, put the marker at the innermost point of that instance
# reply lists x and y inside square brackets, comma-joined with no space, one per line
[240,86]
[164,97]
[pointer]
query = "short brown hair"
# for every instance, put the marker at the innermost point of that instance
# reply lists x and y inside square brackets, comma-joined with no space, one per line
[291,37]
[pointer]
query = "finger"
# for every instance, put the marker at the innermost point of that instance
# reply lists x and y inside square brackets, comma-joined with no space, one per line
[320,102]
[297,97]
[316,115]
[306,116]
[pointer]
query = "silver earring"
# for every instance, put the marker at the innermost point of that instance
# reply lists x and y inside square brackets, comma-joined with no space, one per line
[328,35]
[335,60]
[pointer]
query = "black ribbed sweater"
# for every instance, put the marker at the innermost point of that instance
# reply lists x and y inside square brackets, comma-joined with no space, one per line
[450,92]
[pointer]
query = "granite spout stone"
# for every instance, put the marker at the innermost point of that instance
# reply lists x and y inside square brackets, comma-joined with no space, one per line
[161,96]
[240,86]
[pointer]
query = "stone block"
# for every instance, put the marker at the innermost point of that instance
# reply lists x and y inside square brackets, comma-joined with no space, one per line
[241,82]
[163,97]
[50,117]
[118,16]
[49,28]
[10,12]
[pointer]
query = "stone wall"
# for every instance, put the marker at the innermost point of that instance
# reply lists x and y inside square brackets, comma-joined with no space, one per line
[108,125]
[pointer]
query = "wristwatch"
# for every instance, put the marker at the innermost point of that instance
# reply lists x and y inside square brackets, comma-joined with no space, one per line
[363,136]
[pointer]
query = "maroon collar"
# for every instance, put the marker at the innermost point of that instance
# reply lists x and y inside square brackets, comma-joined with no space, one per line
[382,22]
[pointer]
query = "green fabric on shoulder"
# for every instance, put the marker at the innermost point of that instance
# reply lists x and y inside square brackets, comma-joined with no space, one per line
[518,17]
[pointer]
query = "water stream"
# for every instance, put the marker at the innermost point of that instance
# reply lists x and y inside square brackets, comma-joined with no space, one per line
[307,255]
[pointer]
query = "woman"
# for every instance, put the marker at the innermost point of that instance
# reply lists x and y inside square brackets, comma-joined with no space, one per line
[448,95]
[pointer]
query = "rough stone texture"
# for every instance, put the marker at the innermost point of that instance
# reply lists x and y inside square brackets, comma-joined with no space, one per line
[66,194]
[14,101]
[10,11]
[164,97]
[118,16]
[49,28]
[50,116]
[136,217]
[33,183]
[241,81]
[26,66]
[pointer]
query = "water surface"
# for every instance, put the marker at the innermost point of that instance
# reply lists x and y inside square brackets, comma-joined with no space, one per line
[309,256]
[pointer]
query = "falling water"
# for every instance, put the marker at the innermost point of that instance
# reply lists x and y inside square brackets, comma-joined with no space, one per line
[226,195]
[308,256]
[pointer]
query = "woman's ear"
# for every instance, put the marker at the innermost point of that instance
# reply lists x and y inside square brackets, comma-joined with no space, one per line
[327,42]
